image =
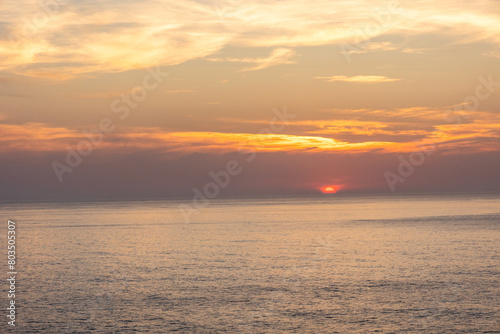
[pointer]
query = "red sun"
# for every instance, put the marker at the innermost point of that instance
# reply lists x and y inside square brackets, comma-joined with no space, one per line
[328,190]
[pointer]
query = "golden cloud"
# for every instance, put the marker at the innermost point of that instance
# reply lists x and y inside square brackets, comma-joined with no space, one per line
[39,137]
[62,41]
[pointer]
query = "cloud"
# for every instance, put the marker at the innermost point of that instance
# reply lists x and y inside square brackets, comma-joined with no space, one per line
[372,47]
[481,135]
[411,115]
[77,38]
[277,57]
[39,137]
[357,128]
[63,41]
[358,79]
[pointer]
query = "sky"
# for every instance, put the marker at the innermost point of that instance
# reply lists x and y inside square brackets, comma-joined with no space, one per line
[150,99]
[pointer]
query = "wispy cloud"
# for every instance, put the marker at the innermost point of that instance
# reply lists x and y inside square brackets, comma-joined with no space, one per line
[358,79]
[103,37]
[355,127]
[374,47]
[277,57]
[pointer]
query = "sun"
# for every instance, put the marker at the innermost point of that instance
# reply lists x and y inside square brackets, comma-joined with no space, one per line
[328,190]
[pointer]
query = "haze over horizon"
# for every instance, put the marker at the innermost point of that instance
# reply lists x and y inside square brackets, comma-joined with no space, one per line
[151,99]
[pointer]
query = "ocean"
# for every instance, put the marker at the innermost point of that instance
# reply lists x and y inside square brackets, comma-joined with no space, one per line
[333,264]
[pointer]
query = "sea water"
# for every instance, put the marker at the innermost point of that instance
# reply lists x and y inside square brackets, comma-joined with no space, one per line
[408,264]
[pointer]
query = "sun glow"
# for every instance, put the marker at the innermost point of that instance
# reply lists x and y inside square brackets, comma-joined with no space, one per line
[328,190]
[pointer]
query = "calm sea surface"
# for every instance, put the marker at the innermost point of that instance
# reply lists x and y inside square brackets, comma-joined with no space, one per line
[327,265]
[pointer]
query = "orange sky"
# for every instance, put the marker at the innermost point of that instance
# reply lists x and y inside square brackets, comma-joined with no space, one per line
[186,85]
